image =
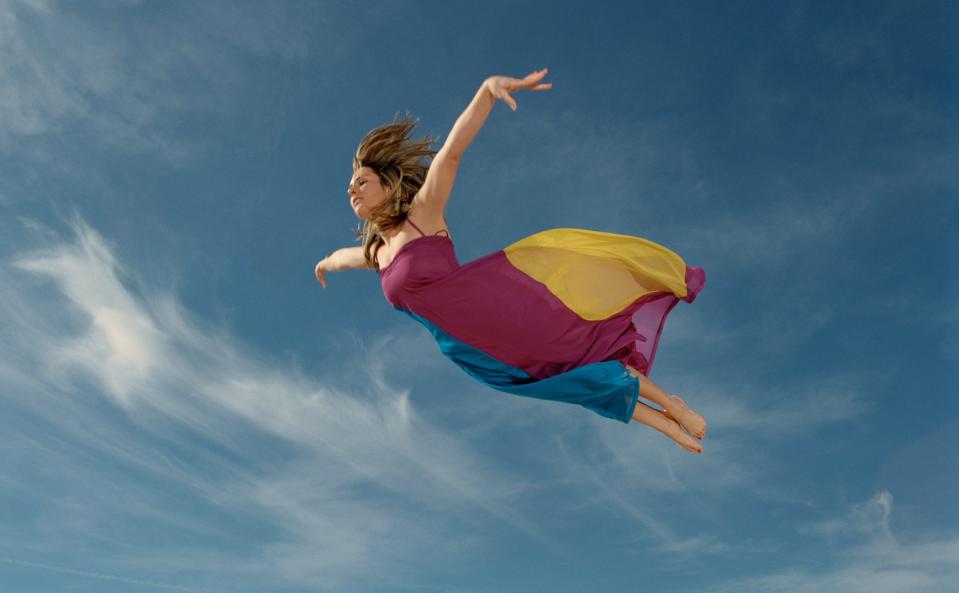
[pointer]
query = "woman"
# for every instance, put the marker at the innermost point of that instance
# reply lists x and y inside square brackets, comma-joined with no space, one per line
[566,314]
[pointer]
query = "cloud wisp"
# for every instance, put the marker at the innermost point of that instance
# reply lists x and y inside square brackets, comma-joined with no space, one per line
[873,560]
[345,485]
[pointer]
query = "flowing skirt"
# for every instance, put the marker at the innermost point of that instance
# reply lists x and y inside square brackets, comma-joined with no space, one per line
[557,315]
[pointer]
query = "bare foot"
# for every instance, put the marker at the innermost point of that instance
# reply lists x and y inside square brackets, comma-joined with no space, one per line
[672,429]
[686,417]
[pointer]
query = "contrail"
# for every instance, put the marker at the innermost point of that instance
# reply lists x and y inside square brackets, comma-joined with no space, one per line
[99,575]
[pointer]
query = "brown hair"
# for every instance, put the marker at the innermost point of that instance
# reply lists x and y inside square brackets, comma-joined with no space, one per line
[396,158]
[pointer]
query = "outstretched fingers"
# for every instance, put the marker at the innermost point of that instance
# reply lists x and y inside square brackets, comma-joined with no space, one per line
[502,86]
[532,79]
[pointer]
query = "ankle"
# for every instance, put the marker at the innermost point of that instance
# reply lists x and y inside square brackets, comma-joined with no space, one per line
[676,404]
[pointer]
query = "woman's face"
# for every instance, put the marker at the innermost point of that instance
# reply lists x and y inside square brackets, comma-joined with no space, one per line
[365,192]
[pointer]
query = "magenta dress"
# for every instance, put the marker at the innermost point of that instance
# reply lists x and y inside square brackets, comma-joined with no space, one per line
[556,315]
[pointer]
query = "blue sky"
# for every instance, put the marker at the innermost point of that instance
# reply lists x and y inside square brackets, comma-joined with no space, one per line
[186,409]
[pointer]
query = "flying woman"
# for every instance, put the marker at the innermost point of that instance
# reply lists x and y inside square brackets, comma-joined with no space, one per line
[566,314]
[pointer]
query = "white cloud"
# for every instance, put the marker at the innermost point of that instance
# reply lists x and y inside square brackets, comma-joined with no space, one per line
[793,412]
[874,561]
[340,478]
[746,426]
[351,498]
[869,518]
[119,82]
[123,346]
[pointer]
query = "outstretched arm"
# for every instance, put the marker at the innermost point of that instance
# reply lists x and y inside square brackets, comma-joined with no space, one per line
[347,258]
[439,180]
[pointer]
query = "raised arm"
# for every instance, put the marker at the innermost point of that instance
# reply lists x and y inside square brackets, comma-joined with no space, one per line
[439,180]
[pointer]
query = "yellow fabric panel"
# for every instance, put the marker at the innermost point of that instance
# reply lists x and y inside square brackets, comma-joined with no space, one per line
[597,274]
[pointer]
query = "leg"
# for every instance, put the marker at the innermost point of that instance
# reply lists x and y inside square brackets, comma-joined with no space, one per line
[677,408]
[665,424]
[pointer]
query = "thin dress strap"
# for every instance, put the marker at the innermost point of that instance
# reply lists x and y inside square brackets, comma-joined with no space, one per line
[378,245]
[424,234]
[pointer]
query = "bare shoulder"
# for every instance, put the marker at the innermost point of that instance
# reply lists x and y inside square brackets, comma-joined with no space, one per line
[431,221]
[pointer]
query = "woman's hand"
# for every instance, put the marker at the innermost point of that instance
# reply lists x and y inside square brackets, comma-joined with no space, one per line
[502,86]
[321,269]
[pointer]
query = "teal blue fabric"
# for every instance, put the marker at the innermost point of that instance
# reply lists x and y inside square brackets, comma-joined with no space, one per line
[606,387]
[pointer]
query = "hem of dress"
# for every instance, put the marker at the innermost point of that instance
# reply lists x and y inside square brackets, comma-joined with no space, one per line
[659,334]
[632,407]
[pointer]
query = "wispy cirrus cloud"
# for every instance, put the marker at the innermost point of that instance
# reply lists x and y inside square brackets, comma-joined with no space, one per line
[119,79]
[99,576]
[873,559]
[337,481]
[736,463]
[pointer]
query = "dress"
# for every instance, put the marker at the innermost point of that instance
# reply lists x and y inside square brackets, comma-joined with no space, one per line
[555,315]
